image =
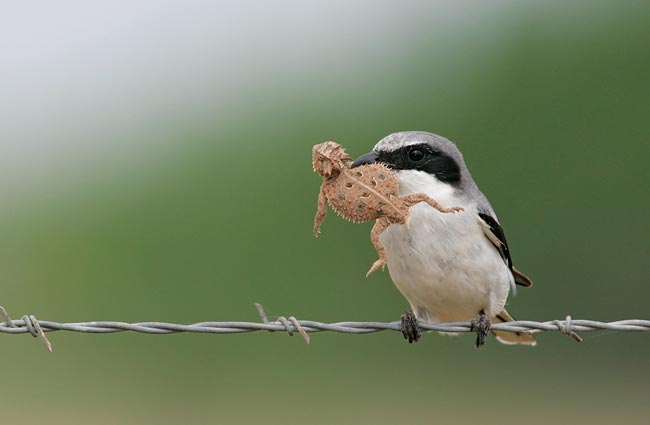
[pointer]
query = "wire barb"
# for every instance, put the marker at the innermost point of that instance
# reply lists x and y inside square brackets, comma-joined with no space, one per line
[565,328]
[283,320]
[5,316]
[37,331]
[31,325]
[260,310]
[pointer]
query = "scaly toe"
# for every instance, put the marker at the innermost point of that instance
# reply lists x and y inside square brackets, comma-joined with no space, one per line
[409,327]
[376,266]
[481,325]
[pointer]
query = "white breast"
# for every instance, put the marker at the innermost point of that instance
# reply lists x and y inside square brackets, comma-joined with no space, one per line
[442,263]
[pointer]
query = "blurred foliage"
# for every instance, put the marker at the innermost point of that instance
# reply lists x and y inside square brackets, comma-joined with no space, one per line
[551,113]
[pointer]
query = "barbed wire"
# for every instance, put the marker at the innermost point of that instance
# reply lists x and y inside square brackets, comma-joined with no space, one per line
[568,326]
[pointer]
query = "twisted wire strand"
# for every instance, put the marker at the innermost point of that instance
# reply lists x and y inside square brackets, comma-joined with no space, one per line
[21,326]
[38,328]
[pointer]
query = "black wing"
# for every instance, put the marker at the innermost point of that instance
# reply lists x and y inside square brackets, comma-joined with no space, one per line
[495,234]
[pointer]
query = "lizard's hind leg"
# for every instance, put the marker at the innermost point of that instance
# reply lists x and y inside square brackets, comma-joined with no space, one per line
[380,225]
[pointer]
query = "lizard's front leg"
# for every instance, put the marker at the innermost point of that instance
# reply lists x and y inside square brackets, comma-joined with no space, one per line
[322,211]
[380,225]
[416,198]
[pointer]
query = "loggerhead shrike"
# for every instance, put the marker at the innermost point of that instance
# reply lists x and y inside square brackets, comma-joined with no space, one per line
[449,267]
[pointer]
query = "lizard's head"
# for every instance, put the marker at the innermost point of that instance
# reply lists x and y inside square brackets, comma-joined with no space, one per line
[329,158]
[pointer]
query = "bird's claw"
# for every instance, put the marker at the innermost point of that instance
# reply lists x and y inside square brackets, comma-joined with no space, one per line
[481,324]
[410,327]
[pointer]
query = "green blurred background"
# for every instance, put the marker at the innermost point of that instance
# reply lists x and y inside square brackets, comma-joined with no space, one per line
[155,165]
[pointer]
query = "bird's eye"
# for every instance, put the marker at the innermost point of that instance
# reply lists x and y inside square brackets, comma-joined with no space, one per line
[416,155]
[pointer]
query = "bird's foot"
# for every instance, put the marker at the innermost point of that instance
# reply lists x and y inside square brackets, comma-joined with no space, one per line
[410,328]
[481,324]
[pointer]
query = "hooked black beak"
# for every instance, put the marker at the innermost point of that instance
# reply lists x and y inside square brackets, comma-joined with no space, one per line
[369,158]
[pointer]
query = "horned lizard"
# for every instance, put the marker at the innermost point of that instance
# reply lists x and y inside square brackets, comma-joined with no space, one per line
[367,192]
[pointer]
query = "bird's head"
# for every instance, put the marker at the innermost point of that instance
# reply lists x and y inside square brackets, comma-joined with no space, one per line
[420,157]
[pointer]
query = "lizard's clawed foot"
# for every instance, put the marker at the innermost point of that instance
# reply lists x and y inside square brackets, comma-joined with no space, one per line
[317,223]
[453,209]
[381,263]
[410,328]
[481,324]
